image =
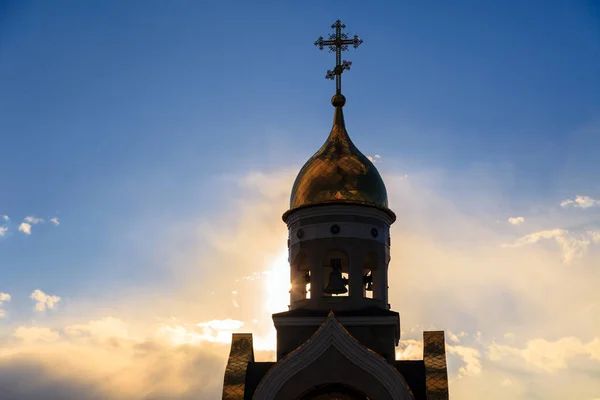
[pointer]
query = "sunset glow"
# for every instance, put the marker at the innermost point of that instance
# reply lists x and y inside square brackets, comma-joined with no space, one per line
[277,284]
[149,151]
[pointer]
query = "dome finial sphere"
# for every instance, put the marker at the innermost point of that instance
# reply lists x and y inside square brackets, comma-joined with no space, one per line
[338,100]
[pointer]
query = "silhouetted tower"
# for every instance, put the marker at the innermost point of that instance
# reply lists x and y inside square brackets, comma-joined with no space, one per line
[338,338]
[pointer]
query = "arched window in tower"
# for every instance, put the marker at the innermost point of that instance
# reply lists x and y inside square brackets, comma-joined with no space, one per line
[370,262]
[336,274]
[300,278]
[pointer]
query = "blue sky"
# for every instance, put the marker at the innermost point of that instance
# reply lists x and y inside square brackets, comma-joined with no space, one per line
[131,121]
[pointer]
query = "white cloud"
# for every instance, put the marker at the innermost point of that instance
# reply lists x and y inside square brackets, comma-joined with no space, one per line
[4,217]
[43,301]
[537,236]
[546,355]
[33,220]
[409,349]
[573,247]
[3,230]
[453,337]
[25,228]
[375,159]
[3,297]
[471,358]
[516,220]
[28,221]
[580,202]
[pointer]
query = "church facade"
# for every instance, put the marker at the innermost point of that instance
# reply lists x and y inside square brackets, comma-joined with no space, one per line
[338,338]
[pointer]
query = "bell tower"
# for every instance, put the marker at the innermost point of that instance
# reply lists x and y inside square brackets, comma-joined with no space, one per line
[338,338]
[339,236]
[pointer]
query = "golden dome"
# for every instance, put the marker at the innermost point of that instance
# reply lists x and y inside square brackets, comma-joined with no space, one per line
[339,173]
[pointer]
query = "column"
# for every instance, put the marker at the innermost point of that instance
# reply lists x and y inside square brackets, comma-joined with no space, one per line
[317,280]
[355,260]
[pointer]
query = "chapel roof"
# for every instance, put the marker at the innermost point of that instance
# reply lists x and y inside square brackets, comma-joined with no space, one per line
[426,378]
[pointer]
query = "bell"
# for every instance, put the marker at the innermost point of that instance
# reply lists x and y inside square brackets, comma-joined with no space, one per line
[307,277]
[368,281]
[337,283]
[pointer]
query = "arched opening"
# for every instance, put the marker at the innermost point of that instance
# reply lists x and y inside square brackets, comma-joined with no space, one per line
[300,277]
[334,391]
[337,274]
[370,262]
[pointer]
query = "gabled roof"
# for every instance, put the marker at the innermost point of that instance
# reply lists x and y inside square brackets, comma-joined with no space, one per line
[413,372]
[332,334]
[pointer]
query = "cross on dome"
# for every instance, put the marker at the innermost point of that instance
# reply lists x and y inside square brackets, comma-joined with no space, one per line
[338,42]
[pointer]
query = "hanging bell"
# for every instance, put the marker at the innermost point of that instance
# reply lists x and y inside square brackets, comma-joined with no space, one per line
[307,277]
[368,281]
[337,283]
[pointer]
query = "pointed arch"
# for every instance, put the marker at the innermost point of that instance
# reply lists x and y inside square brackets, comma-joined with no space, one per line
[332,334]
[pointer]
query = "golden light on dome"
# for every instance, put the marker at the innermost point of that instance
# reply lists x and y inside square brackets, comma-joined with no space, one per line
[339,172]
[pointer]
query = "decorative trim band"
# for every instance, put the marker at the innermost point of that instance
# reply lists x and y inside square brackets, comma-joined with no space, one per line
[356,230]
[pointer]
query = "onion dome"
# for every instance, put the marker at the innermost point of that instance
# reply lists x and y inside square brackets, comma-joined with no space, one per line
[339,173]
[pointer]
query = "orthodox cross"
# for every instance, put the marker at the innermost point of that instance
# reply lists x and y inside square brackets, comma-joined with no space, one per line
[338,42]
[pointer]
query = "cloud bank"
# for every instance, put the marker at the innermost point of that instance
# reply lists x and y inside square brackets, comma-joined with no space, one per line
[516,308]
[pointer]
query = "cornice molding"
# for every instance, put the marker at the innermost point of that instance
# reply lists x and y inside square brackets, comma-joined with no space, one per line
[346,321]
[331,210]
